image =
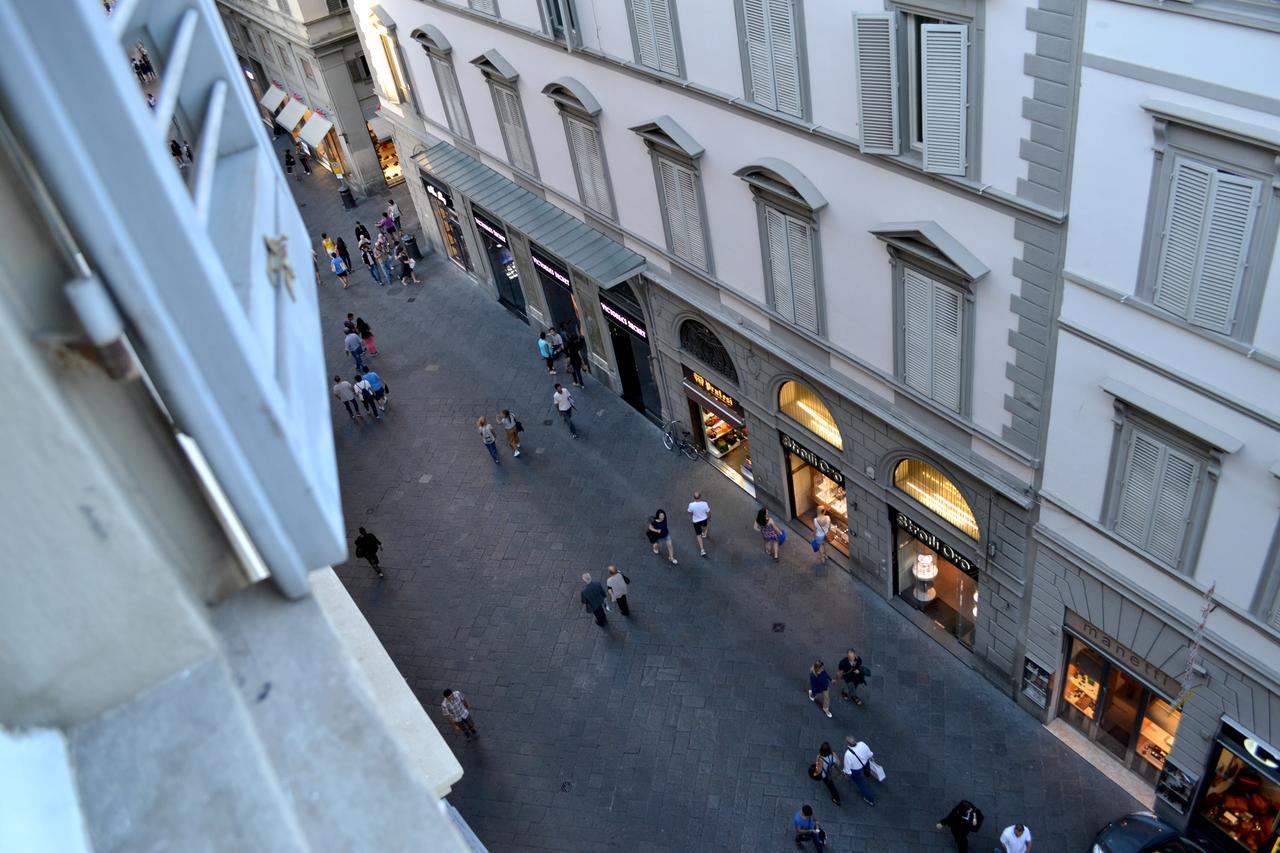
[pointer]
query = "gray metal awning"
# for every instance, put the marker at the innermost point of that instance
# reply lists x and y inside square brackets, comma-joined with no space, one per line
[578,244]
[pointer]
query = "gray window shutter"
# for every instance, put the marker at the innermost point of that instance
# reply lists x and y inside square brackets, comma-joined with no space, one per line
[947,346]
[759,52]
[642,23]
[1156,494]
[489,7]
[1180,248]
[1274,621]
[944,91]
[785,53]
[803,285]
[451,97]
[1172,510]
[680,195]
[1226,245]
[779,267]
[511,118]
[917,332]
[585,140]
[655,35]
[1138,489]
[875,50]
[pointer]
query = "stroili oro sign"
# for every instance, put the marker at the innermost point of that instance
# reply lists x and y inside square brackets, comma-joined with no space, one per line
[909,525]
[824,467]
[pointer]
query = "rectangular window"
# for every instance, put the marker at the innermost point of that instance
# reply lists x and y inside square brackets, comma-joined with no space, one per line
[654,26]
[337,5]
[1155,494]
[679,185]
[401,94]
[514,132]
[283,6]
[307,70]
[358,68]
[1204,244]
[588,161]
[773,64]
[284,58]
[451,97]
[791,268]
[932,347]
[562,20]
[489,7]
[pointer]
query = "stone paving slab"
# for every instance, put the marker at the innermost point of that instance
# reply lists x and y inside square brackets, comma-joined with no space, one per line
[686,727]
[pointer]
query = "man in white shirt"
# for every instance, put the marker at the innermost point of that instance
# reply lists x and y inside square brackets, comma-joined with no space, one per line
[699,511]
[856,756]
[564,405]
[1016,839]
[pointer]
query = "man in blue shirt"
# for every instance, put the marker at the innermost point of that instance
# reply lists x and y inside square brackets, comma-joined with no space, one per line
[544,350]
[807,829]
[379,389]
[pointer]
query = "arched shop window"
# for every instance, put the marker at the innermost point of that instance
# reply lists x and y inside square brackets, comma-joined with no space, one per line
[802,404]
[931,489]
[702,343]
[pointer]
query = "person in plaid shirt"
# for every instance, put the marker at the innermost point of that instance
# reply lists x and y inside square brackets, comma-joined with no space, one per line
[455,707]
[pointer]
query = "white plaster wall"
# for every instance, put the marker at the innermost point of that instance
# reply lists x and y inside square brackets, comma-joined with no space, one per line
[1242,516]
[1008,41]
[522,12]
[709,34]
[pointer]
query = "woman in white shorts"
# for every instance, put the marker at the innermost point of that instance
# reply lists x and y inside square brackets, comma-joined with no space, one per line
[821,527]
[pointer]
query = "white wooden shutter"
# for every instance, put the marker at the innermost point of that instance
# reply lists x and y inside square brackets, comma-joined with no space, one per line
[875,50]
[779,265]
[759,53]
[917,332]
[642,23]
[947,345]
[451,97]
[511,118]
[785,54]
[585,140]
[944,88]
[489,7]
[1184,223]
[680,192]
[1226,245]
[1138,489]
[1172,509]
[664,37]
[804,288]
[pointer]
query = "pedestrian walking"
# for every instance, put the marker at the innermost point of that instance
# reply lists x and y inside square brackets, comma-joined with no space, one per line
[388,226]
[853,674]
[770,532]
[356,349]
[658,533]
[380,389]
[557,343]
[393,210]
[963,819]
[548,354]
[151,100]
[618,583]
[329,246]
[819,682]
[382,254]
[362,233]
[175,150]
[367,547]
[1016,839]
[186,152]
[366,336]
[364,390]
[370,261]
[825,767]
[339,269]
[345,392]
[343,252]
[512,426]
[304,160]
[575,365]
[700,512]
[857,766]
[489,438]
[288,163]
[807,829]
[593,596]
[821,527]
[349,324]
[457,710]
[406,267]
[563,402]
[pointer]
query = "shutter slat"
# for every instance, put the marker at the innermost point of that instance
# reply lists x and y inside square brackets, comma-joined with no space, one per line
[875,52]
[780,269]
[759,52]
[785,53]
[947,346]
[1226,244]
[944,71]
[1172,506]
[1138,489]
[803,286]
[917,330]
[642,22]
[1184,224]
[664,37]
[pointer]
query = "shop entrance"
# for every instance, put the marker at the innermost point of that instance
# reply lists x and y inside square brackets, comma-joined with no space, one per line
[557,288]
[719,424]
[816,484]
[630,341]
[506,277]
[446,216]
[935,578]
[1240,805]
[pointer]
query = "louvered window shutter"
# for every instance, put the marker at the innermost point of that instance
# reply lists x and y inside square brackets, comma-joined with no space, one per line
[451,97]
[917,331]
[1184,223]
[944,92]
[511,118]
[586,155]
[664,37]
[1172,510]
[489,7]
[680,195]
[1274,621]
[803,284]
[642,23]
[947,346]
[1226,245]
[875,50]
[1156,495]
[759,51]
[779,266]
[785,54]
[1138,489]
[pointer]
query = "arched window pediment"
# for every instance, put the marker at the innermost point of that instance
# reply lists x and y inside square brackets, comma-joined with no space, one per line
[702,343]
[806,408]
[933,490]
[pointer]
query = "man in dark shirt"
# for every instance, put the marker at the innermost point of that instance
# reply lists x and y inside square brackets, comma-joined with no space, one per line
[367,546]
[853,675]
[593,596]
[962,820]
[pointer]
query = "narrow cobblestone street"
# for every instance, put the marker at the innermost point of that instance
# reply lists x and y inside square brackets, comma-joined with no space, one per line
[686,726]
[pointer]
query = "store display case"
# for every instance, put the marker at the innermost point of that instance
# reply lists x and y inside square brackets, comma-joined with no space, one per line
[1081,690]
[722,438]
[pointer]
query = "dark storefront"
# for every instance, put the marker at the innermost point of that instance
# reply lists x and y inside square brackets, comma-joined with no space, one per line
[557,289]
[506,276]
[630,341]
[446,216]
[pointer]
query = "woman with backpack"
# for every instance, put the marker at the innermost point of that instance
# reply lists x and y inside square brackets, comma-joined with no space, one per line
[825,767]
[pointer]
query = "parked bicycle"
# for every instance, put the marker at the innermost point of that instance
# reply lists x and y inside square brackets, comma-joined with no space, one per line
[677,438]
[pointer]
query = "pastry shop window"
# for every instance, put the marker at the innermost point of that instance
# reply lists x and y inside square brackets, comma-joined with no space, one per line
[1241,805]
[810,412]
[719,421]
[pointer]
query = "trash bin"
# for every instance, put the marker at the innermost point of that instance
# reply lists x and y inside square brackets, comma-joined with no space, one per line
[348,200]
[411,247]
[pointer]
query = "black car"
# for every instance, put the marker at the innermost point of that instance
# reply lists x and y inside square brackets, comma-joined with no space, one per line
[1142,832]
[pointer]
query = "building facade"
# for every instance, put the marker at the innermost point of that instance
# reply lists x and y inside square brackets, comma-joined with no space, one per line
[825,241]
[178,655]
[304,64]
[1155,628]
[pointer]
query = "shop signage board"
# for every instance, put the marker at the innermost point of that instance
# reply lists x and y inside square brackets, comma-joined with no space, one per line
[621,318]
[550,266]
[824,467]
[495,231]
[909,525]
[437,191]
[699,382]
[1035,682]
[1122,654]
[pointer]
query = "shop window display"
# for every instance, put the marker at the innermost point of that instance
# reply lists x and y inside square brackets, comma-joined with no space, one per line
[937,587]
[1242,803]
[802,404]
[932,489]
[727,445]
[811,489]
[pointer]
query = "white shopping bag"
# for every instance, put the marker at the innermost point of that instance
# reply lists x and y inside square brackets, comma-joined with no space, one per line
[877,771]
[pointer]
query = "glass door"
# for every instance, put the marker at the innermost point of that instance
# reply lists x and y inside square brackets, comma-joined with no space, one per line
[1120,714]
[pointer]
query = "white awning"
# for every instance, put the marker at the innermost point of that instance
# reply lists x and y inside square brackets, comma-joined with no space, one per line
[291,115]
[271,100]
[314,130]
[381,128]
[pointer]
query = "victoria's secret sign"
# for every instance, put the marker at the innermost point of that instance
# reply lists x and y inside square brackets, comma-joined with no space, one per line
[908,525]
[550,267]
[627,322]
[824,467]
[492,230]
